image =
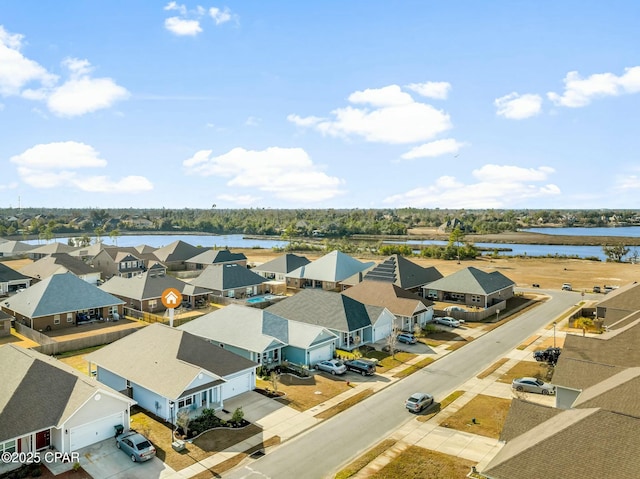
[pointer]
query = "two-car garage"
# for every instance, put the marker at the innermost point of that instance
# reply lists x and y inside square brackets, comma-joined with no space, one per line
[95,431]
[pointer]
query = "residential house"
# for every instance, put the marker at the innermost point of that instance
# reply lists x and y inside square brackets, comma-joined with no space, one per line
[61,301]
[48,249]
[167,371]
[598,416]
[326,272]
[230,280]
[350,320]
[217,257]
[278,268]
[11,280]
[264,337]
[15,248]
[471,287]
[61,263]
[409,309]
[45,404]
[143,292]
[619,307]
[125,262]
[406,274]
[175,255]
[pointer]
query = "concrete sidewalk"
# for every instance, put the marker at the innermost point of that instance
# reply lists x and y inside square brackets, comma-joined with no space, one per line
[279,420]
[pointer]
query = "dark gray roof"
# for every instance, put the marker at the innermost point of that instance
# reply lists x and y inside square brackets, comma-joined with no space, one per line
[38,391]
[227,276]
[283,264]
[472,281]
[402,272]
[177,251]
[148,286]
[524,415]
[212,256]
[323,308]
[9,274]
[58,294]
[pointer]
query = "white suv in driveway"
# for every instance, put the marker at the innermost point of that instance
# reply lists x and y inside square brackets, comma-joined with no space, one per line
[447,321]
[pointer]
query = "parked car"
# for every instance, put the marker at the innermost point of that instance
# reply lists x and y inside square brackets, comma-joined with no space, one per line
[447,321]
[533,385]
[597,289]
[333,366]
[418,401]
[406,338]
[362,366]
[567,287]
[137,447]
[549,355]
[449,309]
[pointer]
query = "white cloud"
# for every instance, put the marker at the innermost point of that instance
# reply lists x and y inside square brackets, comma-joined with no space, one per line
[220,16]
[182,26]
[431,89]
[17,71]
[54,165]
[498,186]
[252,121]
[629,182]
[434,149]
[580,91]
[394,118]
[287,173]
[177,7]
[517,107]
[82,94]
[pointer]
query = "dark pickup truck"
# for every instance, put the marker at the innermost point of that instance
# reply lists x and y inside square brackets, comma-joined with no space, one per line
[362,366]
[549,355]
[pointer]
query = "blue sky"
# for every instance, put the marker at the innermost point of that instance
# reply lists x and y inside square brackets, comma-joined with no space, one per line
[331,104]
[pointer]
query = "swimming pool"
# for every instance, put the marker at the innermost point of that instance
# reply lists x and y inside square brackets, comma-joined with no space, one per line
[261,299]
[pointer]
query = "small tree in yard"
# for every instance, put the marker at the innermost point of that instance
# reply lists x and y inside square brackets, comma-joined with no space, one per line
[392,340]
[273,378]
[238,416]
[417,330]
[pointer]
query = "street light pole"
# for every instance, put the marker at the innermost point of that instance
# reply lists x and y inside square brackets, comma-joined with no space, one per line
[171,404]
[554,334]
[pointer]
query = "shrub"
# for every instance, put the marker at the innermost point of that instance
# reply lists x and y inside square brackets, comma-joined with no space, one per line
[238,416]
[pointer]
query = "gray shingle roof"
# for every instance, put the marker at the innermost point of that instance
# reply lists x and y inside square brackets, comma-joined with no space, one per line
[148,286]
[39,392]
[167,360]
[283,264]
[55,263]
[380,293]
[58,294]
[399,270]
[332,267]
[177,251]
[51,248]
[212,256]
[333,311]
[9,274]
[472,281]
[227,276]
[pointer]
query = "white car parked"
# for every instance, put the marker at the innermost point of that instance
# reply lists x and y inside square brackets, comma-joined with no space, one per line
[447,321]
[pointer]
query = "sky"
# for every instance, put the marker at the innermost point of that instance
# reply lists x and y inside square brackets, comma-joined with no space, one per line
[327,104]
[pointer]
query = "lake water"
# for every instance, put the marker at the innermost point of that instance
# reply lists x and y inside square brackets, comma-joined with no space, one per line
[239,241]
[598,231]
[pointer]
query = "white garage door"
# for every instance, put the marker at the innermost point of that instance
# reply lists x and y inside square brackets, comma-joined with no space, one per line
[320,354]
[381,332]
[235,386]
[96,431]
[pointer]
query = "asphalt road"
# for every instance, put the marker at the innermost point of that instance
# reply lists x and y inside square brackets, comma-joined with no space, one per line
[321,451]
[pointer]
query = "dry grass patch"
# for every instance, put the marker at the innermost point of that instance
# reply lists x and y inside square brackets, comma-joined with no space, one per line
[489,413]
[76,359]
[528,342]
[527,369]
[418,463]
[491,369]
[413,368]
[344,405]
[385,361]
[437,407]
[362,461]
[303,394]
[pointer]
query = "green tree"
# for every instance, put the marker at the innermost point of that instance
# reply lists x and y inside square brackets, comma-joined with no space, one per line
[615,253]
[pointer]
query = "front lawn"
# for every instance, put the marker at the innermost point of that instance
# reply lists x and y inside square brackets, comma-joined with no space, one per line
[484,415]
[419,463]
[527,369]
[303,394]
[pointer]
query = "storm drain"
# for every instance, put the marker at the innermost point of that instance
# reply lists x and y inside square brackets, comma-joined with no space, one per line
[257,455]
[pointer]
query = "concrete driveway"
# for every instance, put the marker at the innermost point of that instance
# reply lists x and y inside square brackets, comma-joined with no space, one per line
[104,460]
[254,405]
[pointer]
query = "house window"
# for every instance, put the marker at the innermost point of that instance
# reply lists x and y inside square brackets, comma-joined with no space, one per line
[188,401]
[56,319]
[275,354]
[9,446]
[475,298]
[457,296]
[153,303]
[69,318]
